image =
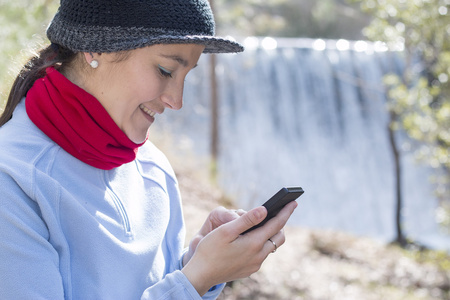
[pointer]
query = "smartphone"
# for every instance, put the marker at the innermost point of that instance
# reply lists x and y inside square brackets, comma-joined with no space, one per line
[277,202]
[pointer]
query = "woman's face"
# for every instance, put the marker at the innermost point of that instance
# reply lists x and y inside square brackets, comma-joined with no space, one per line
[136,89]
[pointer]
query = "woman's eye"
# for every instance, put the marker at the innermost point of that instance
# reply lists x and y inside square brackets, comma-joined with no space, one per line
[164,72]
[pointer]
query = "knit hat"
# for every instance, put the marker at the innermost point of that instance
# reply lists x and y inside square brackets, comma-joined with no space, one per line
[115,25]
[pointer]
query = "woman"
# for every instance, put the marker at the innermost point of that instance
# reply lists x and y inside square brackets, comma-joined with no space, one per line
[89,208]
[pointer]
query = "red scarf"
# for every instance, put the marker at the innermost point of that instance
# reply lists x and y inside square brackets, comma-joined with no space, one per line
[77,122]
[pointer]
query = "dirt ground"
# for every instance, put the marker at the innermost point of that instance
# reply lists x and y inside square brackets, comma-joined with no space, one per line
[322,265]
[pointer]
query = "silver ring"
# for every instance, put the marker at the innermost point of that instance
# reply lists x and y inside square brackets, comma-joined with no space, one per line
[274,245]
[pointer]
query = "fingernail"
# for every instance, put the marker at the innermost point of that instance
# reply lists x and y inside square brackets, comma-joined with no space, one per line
[259,212]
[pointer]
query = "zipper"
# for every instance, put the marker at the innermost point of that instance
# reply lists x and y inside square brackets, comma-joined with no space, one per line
[122,212]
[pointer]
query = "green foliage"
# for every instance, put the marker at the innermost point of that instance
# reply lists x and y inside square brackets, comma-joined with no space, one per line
[443,216]
[22,25]
[438,258]
[290,18]
[420,97]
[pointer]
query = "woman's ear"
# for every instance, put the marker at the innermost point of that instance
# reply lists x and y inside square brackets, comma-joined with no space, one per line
[90,59]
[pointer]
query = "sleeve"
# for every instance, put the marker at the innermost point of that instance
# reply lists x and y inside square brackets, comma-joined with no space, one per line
[29,263]
[175,285]
[213,292]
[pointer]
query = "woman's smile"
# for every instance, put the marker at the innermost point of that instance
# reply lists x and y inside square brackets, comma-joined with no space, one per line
[149,114]
[155,72]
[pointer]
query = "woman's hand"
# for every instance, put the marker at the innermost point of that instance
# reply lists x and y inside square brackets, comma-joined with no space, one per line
[216,218]
[222,254]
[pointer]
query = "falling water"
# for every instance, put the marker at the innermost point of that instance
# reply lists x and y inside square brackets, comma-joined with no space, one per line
[312,114]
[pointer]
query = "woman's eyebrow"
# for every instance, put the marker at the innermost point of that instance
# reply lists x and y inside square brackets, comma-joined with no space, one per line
[178,59]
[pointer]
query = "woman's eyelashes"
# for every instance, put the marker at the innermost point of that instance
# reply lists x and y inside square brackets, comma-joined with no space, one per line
[164,72]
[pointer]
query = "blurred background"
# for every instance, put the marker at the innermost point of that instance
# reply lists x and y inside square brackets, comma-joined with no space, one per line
[349,99]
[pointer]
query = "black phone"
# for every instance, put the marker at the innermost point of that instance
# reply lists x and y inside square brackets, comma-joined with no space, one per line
[277,202]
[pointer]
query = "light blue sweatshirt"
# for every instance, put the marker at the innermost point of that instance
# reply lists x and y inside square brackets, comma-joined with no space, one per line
[72,231]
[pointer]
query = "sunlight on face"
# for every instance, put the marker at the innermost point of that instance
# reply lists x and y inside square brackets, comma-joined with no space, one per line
[133,91]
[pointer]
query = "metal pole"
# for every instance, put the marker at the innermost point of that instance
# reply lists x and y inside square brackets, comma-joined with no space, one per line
[214,110]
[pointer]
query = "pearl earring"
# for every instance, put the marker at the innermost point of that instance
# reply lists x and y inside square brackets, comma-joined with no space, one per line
[94,64]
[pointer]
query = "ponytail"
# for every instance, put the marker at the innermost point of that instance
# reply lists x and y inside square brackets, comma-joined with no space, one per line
[53,55]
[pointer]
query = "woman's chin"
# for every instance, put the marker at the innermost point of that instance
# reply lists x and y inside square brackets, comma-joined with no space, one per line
[139,138]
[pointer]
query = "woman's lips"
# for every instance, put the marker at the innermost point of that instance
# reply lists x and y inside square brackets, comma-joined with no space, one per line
[147,111]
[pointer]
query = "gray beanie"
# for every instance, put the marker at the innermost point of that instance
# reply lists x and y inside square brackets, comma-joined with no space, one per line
[116,25]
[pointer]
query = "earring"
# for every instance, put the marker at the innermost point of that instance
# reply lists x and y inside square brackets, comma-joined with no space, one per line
[94,64]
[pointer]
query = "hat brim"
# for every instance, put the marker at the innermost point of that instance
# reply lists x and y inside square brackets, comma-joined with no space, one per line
[80,38]
[212,44]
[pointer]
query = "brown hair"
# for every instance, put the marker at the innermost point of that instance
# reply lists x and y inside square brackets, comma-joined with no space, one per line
[52,55]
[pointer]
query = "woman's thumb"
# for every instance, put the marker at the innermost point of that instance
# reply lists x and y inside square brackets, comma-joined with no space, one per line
[250,219]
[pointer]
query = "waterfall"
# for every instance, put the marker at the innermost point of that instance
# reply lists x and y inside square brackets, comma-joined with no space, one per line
[315,117]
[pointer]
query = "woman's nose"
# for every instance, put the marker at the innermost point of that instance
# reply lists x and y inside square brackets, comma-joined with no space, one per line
[172,97]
